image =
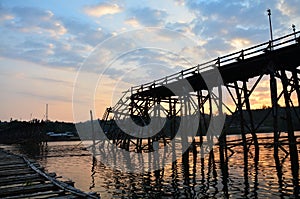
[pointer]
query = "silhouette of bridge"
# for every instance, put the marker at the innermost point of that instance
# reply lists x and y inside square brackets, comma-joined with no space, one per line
[273,58]
[279,59]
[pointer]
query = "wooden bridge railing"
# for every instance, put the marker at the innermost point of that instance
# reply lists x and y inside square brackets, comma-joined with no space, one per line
[253,51]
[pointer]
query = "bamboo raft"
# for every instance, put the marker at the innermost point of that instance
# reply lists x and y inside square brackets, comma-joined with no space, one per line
[22,178]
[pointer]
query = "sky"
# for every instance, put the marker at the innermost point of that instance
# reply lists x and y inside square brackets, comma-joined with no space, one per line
[46,47]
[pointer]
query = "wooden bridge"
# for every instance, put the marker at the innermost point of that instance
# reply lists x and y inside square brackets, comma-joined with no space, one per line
[22,178]
[274,58]
[278,59]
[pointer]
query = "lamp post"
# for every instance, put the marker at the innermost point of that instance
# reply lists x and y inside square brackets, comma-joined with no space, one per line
[271,31]
[294,30]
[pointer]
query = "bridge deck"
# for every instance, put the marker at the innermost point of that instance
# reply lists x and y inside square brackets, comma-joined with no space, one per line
[237,66]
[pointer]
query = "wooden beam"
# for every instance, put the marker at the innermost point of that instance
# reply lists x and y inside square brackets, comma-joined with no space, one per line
[8,191]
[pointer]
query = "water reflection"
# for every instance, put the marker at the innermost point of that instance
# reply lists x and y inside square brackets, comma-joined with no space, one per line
[33,149]
[221,174]
[93,172]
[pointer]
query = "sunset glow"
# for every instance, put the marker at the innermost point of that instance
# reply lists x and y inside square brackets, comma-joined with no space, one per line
[44,44]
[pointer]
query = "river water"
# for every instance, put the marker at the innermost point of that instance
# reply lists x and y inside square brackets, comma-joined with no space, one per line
[195,177]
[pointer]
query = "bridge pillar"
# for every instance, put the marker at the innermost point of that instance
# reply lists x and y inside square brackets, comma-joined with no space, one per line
[241,115]
[252,129]
[296,85]
[291,136]
[202,121]
[172,116]
[274,102]
[172,124]
[223,148]
[245,148]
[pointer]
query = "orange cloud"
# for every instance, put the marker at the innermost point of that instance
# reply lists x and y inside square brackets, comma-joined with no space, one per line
[102,9]
[240,43]
[132,22]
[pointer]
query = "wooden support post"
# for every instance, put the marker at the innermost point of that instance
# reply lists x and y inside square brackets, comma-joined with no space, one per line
[172,123]
[200,119]
[254,137]
[274,102]
[209,138]
[296,85]
[184,113]
[222,138]
[171,118]
[223,149]
[291,136]
[240,109]
[185,110]
[93,133]
[202,122]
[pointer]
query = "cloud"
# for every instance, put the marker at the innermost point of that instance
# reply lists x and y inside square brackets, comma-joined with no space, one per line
[180,2]
[102,9]
[40,36]
[185,28]
[132,22]
[46,51]
[289,8]
[240,43]
[223,17]
[243,19]
[229,26]
[46,97]
[148,16]
[5,14]
[35,20]
[216,47]
[85,33]
[135,67]
[55,81]
[289,14]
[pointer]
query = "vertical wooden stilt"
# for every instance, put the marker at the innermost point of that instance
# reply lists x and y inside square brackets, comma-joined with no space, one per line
[296,85]
[248,108]
[93,133]
[291,136]
[223,150]
[245,148]
[274,102]
[240,111]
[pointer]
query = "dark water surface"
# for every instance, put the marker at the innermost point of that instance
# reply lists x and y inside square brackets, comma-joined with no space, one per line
[194,177]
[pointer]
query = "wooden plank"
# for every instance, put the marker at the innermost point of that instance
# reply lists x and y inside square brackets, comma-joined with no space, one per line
[8,156]
[11,191]
[65,197]
[16,172]
[7,160]
[18,179]
[23,179]
[47,194]
[11,162]
[15,166]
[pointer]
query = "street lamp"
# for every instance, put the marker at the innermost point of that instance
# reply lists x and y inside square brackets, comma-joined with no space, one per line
[294,30]
[270,22]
